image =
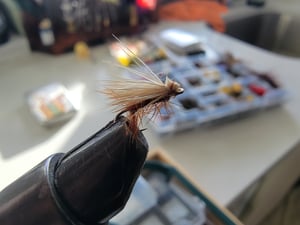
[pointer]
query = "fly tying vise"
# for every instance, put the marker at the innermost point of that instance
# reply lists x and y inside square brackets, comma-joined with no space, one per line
[139,97]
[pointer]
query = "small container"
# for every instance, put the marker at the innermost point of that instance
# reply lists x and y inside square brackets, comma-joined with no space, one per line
[51,104]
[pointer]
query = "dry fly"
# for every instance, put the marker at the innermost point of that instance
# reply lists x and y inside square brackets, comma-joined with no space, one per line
[139,97]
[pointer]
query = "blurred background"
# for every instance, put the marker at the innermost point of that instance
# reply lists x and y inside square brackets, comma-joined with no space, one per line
[235,129]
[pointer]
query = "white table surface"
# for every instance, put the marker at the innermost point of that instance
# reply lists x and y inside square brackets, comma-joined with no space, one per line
[223,159]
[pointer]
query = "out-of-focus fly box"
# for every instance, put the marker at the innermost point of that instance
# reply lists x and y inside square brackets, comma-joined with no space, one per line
[166,195]
[215,213]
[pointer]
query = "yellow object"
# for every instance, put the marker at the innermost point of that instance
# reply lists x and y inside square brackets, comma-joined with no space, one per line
[161,53]
[249,98]
[82,50]
[226,89]
[236,88]
[124,60]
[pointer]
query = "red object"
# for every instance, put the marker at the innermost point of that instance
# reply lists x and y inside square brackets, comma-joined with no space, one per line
[146,4]
[259,90]
[194,10]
